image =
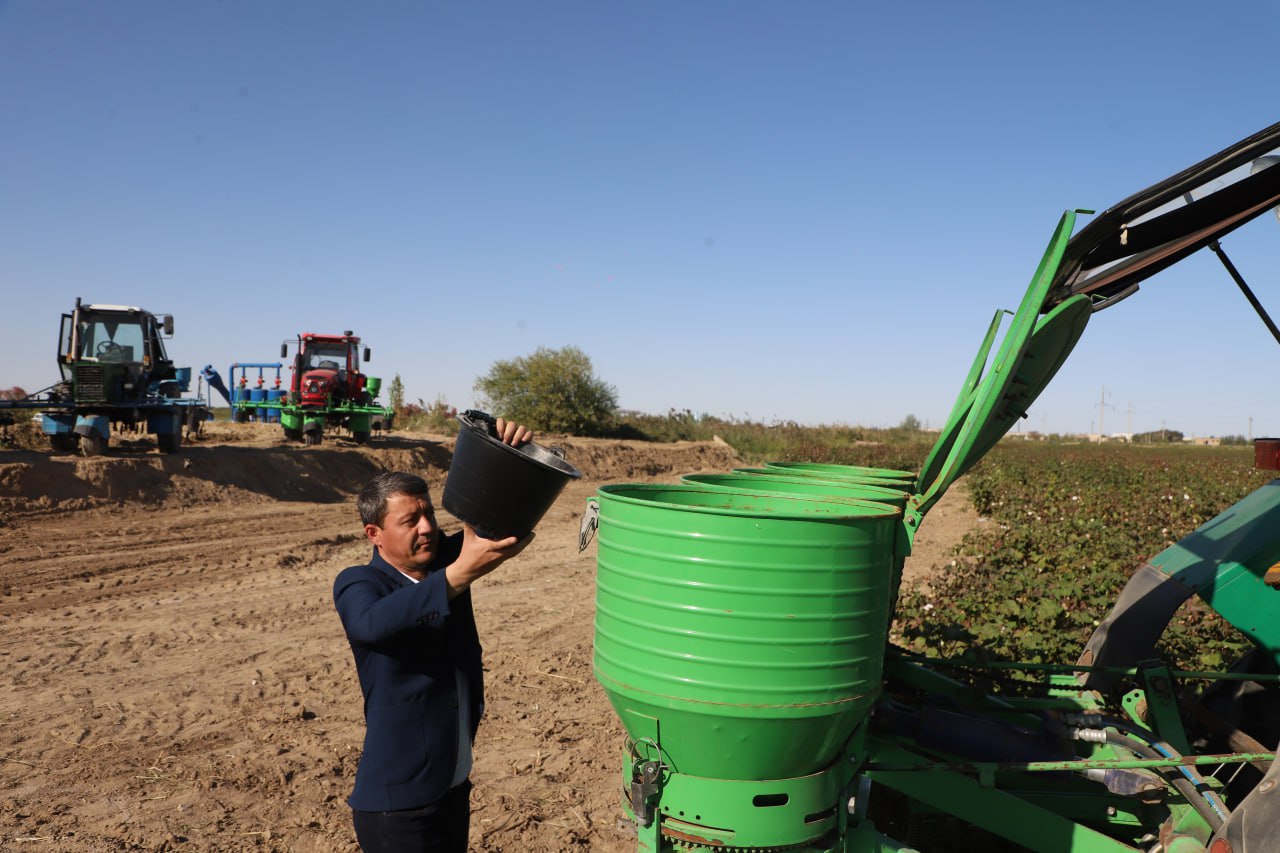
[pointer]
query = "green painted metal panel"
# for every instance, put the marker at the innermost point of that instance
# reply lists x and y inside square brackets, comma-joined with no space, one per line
[960,408]
[994,810]
[817,486]
[1226,559]
[1028,358]
[857,473]
[901,486]
[754,814]
[808,486]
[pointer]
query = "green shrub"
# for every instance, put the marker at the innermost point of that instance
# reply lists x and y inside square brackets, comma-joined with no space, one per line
[439,417]
[550,390]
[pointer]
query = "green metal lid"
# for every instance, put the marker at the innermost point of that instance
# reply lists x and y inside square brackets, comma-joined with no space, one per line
[1033,349]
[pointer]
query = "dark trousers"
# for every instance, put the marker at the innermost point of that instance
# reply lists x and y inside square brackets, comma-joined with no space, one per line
[440,827]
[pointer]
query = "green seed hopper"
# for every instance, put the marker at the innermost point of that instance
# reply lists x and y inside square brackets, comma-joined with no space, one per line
[742,623]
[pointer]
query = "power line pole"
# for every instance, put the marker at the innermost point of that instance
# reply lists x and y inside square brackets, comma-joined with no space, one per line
[1102,406]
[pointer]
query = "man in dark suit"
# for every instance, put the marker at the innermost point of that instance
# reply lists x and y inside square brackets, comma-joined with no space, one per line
[408,618]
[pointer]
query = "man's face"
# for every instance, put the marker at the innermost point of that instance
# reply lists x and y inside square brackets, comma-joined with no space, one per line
[408,536]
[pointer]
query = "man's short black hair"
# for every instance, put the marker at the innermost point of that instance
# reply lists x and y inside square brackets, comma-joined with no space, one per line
[372,501]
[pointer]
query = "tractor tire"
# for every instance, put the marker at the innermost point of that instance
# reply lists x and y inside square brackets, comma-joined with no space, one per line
[93,444]
[168,442]
[65,442]
[240,416]
[293,435]
[311,438]
[360,437]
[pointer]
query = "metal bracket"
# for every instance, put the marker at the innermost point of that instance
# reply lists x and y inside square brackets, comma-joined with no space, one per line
[590,524]
[646,777]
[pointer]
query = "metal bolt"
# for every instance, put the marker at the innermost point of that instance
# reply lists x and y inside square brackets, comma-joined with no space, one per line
[1267,785]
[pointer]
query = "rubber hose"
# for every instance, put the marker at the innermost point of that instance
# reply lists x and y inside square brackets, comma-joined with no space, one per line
[1183,784]
[1166,751]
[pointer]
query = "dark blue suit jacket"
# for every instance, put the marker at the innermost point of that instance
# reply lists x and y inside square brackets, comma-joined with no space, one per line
[408,639]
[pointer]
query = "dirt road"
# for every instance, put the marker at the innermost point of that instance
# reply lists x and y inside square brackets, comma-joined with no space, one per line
[177,678]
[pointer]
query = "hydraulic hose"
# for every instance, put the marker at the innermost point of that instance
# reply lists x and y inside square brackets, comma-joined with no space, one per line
[1185,786]
[1099,722]
[1211,797]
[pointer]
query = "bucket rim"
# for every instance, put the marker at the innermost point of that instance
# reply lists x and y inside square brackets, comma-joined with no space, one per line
[545,458]
[740,484]
[894,474]
[866,510]
[836,498]
[875,484]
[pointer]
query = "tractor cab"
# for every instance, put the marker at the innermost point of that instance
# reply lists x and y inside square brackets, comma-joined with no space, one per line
[115,353]
[326,369]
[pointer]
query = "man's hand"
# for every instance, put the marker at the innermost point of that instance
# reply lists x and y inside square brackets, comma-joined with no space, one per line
[479,557]
[513,433]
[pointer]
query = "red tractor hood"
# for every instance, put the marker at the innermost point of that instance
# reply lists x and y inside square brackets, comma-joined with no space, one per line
[317,385]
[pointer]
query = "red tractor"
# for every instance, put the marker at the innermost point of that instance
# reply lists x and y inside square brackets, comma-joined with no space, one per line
[327,387]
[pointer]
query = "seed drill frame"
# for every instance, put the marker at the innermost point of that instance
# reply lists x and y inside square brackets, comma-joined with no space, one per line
[1115,754]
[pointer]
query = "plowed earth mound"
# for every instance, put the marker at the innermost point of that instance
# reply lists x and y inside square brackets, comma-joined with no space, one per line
[176,677]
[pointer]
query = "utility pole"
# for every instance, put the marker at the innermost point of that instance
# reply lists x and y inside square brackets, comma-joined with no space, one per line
[1102,406]
[1129,423]
[1251,429]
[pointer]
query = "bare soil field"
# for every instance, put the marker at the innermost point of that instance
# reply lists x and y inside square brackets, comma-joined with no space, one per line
[176,677]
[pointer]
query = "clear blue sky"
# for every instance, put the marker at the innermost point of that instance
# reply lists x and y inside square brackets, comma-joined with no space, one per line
[779,211]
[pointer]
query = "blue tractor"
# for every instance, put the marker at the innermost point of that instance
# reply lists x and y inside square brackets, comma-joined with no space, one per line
[115,371]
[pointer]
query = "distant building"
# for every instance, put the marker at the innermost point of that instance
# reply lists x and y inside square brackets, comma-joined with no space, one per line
[1099,438]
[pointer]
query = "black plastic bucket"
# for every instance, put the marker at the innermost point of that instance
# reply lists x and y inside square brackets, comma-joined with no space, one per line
[498,489]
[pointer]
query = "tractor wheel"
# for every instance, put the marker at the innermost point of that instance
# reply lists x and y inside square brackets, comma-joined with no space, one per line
[360,437]
[240,416]
[311,438]
[65,442]
[169,442]
[93,444]
[293,434]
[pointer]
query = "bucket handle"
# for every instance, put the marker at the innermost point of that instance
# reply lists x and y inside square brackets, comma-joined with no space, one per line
[475,417]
